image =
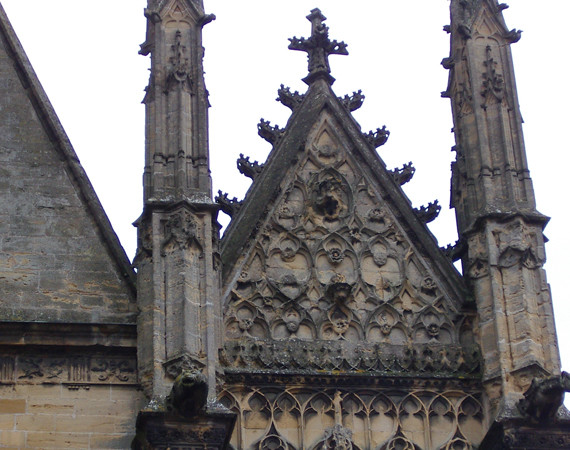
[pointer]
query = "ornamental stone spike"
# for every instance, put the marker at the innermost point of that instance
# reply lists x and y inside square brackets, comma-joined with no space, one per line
[318,48]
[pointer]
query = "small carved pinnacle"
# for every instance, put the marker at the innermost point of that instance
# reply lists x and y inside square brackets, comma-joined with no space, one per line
[379,137]
[290,99]
[229,206]
[269,133]
[247,168]
[404,174]
[354,101]
[428,213]
[318,47]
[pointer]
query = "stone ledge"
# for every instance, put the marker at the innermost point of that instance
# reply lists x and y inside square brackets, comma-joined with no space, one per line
[68,334]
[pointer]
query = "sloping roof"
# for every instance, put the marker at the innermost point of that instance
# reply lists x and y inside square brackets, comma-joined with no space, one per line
[30,86]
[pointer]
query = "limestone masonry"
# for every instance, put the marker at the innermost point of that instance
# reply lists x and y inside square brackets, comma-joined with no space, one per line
[326,317]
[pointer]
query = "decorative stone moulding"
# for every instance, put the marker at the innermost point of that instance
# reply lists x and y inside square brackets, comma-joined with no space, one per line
[297,356]
[71,370]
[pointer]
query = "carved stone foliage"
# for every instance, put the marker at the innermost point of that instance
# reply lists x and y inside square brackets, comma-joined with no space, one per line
[332,265]
[180,231]
[71,370]
[493,89]
[303,418]
[300,356]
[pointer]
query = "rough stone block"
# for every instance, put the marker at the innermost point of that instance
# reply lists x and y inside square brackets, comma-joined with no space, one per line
[13,406]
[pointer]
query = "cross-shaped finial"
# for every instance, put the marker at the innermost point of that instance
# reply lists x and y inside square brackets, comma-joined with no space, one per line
[318,47]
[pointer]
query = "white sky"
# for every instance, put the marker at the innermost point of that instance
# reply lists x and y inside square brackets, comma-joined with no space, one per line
[85,54]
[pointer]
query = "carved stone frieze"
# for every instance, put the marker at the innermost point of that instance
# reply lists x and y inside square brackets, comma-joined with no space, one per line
[300,356]
[295,417]
[31,368]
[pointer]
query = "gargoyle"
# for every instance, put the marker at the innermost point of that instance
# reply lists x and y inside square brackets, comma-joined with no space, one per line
[189,394]
[544,397]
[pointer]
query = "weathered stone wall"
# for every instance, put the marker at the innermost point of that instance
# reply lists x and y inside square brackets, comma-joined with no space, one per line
[56,416]
[55,265]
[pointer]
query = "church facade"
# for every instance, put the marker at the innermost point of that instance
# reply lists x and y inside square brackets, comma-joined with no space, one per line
[325,317]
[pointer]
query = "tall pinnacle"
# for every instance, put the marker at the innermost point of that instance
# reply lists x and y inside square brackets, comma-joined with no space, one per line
[318,47]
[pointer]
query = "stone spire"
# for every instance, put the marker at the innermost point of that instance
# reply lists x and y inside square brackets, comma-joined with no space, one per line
[177,259]
[318,48]
[494,202]
[176,159]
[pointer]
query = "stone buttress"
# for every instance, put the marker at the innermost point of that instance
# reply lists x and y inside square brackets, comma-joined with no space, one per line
[501,242]
[499,227]
[177,257]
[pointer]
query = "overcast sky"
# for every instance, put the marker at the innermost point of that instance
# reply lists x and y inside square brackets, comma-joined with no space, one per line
[85,54]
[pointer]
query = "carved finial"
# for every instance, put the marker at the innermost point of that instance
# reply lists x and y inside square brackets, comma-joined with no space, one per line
[318,47]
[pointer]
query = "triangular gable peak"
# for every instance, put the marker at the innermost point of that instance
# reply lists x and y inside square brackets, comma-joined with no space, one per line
[335,271]
[64,245]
